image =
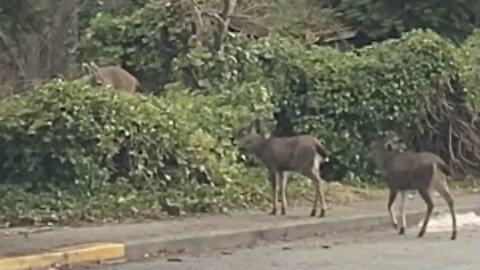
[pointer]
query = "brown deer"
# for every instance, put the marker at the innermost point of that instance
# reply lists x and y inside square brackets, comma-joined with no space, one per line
[113,76]
[303,154]
[406,171]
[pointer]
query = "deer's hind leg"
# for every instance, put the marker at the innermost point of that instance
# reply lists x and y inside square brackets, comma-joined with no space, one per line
[314,176]
[441,186]
[282,179]
[403,225]
[425,194]
[311,170]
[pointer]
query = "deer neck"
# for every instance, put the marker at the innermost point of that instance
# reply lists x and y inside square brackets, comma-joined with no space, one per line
[383,158]
[261,148]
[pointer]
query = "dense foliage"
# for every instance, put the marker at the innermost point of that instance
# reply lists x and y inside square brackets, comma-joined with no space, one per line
[17,17]
[67,137]
[352,96]
[383,19]
[145,42]
[471,67]
[71,151]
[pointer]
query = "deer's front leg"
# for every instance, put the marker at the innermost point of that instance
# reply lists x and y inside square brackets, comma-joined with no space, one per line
[272,177]
[282,179]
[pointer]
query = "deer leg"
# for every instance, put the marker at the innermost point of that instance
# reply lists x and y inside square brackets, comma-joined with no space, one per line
[322,197]
[425,194]
[403,226]
[391,198]
[283,191]
[319,196]
[442,188]
[273,183]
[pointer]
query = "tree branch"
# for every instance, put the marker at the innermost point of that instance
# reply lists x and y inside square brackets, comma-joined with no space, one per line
[199,25]
[222,27]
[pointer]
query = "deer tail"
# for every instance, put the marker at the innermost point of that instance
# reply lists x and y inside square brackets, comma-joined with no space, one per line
[321,149]
[444,168]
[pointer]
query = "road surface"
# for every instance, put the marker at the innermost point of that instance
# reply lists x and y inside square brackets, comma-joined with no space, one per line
[376,250]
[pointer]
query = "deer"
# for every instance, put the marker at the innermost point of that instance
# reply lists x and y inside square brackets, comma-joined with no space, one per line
[113,76]
[302,154]
[406,171]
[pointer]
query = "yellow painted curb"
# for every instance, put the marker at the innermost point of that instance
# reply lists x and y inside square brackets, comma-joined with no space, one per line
[66,256]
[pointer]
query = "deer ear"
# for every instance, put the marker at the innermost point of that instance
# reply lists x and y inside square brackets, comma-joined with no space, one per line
[262,126]
[94,69]
[87,69]
[252,127]
[93,65]
[389,146]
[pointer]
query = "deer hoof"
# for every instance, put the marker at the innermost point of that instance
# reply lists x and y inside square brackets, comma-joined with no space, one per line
[273,212]
[322,213]
[401,231]
[283,212]
[454,236]
[421,233]
[313,213]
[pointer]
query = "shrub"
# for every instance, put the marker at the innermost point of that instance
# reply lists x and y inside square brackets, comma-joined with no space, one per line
[352,96]
[335,95]
[471,67]
[379,20]
[145,42]
[397,85]
[83,144]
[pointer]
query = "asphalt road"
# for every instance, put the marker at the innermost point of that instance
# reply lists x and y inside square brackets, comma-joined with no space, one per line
[376,250]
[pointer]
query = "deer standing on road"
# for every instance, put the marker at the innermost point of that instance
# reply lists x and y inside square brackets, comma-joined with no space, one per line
[303,154]
[113,76]
[404,171]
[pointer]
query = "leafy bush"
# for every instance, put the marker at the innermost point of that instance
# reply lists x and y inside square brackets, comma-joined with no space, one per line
[471,67]
[352,96]
[332,94]
[145,42]
[341,96]
[72,141]
[382,19]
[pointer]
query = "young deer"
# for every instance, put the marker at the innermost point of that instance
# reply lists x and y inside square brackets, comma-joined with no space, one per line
[405,171]
[303,154]
[114,76]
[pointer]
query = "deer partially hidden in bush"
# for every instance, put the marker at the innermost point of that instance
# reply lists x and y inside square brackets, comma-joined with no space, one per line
[405,171]
[114,76]
[302,154]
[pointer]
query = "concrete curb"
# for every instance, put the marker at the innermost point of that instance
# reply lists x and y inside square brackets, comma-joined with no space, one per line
[249,238]
[96,252]
[205,241]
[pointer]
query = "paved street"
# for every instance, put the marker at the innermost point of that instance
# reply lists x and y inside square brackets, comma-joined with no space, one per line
[375,250]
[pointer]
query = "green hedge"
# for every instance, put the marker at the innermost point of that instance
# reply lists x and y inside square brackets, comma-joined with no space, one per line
[145,42]
[68,140]
[343,96]
[471,68]
[332,94]
[347,98]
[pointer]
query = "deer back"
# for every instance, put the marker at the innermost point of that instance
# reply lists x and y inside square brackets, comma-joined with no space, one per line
[115,76]
[292,153]
[409,170]
[281,153]
[119,78]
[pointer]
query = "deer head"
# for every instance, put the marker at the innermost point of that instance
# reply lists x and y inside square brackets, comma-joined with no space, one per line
[94,75]
[253,137]
[382,147]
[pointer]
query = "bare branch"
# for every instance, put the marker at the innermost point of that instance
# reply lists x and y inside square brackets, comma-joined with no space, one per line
[222,28]
[199,25]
